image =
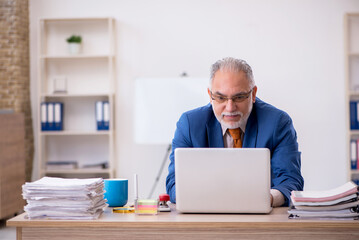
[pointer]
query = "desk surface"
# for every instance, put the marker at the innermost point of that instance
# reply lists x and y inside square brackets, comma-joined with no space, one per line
[173,226]
[278,217]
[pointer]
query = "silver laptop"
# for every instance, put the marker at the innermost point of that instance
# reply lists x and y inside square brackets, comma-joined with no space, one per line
[222,180]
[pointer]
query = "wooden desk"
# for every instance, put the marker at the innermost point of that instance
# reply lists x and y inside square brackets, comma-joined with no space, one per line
[186,226]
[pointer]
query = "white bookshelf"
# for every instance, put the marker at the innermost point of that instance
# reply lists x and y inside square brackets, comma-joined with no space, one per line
[352,79]
[90,77]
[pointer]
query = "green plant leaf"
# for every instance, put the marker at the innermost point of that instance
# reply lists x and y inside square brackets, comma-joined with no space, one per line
[74,39]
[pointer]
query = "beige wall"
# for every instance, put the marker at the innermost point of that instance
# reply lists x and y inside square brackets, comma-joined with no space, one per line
[296,50]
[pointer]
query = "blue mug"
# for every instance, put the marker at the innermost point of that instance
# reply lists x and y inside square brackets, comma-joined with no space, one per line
[116,192]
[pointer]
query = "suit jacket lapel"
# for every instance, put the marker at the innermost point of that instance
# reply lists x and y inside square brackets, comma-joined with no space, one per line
[250,135]
[214,133]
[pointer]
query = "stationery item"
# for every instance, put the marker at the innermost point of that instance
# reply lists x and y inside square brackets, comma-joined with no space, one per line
[146,207]
[136,190]
[99,115]
[50,116]
[58,116]
[64,198]
[123,210]
[43,114]
[162,204]
[207,176]
[116,192]
[143,206]
[106,116]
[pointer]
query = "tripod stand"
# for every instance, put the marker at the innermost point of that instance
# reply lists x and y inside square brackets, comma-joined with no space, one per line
[160,171]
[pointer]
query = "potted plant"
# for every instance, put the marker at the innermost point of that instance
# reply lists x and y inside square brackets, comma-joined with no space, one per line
[74,44]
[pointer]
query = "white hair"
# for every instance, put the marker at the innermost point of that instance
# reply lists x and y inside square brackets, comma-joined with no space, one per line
[233,65]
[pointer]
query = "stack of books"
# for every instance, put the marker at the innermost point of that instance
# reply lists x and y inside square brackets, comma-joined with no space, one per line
[64,198]
[340,202]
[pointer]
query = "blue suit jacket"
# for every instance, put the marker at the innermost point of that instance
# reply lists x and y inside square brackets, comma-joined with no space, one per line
[267,127]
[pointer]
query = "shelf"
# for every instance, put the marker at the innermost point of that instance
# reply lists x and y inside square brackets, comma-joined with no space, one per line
[80,56]
[354,132]
[77,171]
[352,84]
[65,95]
[75,19]
[74,133]
[353,94]
[87,77]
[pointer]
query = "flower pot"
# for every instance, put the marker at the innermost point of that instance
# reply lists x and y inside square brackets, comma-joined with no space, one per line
[74,48]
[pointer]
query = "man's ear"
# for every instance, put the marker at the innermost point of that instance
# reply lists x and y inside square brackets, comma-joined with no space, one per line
[254,94]
[209,94]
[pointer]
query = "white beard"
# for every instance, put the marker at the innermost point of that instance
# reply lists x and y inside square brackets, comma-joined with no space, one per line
[241,122]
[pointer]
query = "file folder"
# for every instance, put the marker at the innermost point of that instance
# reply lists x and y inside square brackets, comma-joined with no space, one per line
[354,123]
[99,115]
[43,115]
[353,154]
[58,116]
[50,116]
[106,116]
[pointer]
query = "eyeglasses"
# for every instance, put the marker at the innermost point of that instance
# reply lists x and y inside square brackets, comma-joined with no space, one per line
[236,99]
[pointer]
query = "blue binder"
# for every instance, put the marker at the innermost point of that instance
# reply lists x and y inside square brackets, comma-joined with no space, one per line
[354,124]
[43,116]
[99,115]
[353,154]
[106,115]
[58,116]
[50,116]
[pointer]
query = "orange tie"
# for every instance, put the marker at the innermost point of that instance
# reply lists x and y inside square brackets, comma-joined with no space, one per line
[236,135]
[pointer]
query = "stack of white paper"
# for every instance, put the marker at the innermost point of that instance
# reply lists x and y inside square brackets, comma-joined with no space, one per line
[340,202]
[64,198]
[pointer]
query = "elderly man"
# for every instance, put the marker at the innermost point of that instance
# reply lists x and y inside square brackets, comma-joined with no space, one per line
[236,118]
